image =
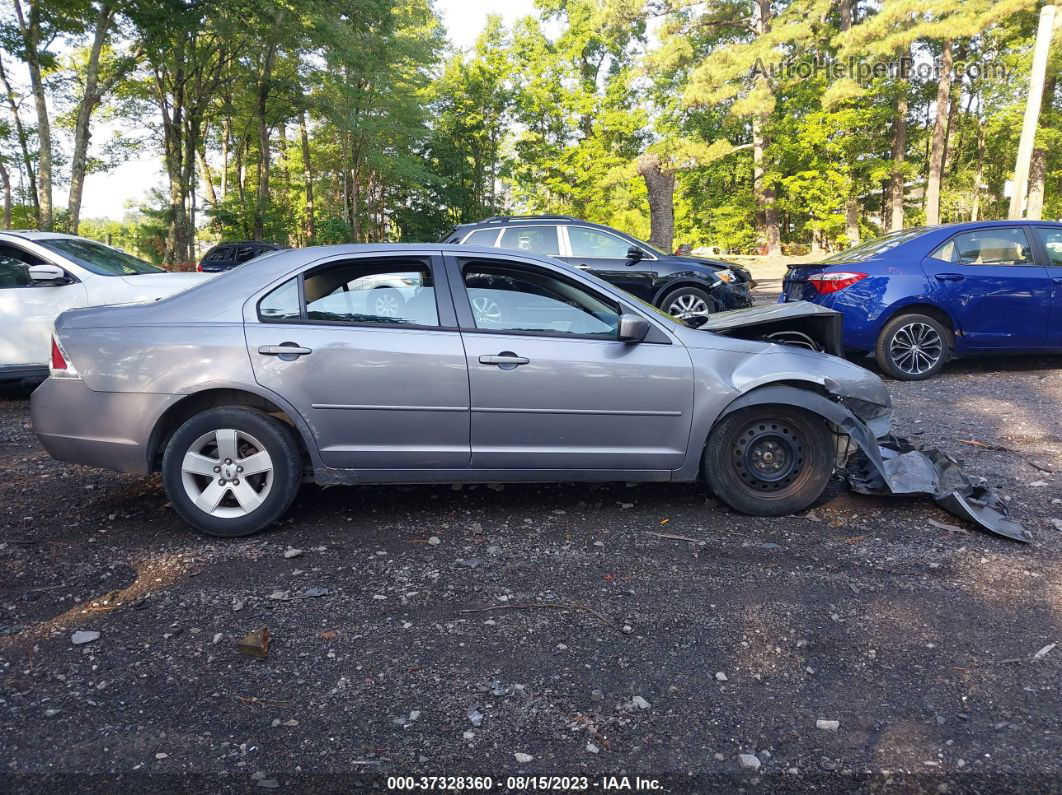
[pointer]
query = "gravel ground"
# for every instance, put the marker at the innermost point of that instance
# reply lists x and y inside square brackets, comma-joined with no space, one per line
[600,630]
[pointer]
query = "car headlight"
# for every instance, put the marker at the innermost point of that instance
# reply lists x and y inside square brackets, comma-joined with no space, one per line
[726,275]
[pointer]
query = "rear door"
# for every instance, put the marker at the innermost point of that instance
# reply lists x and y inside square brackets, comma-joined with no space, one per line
[28,309]
[991,281]
[552,388]
[605,255]
[382,383]
[1051,240]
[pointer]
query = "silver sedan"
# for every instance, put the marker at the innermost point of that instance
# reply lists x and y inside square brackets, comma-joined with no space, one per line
[486,365]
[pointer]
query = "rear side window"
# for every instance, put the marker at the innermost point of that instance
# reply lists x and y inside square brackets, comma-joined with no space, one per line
[1052,239]
[535,239]
[482,237]
[393,293]
[999,246]
[220,254]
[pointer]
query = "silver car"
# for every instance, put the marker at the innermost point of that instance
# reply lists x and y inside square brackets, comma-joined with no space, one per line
[496,366]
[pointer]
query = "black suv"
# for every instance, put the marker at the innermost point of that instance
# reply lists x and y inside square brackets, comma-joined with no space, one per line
[226,256]
[690,288]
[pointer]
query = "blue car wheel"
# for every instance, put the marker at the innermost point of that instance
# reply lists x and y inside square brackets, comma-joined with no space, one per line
[913,347]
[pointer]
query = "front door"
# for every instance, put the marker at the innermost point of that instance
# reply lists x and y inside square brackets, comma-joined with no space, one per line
[368,352]
[28,309]
[552,387]
[606,256]
[992,282]
[1051,238]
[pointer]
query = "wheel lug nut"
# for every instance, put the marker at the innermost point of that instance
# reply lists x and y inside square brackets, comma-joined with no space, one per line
[239,469]
[228,460]
[221,481]
[217,469]
[236,482]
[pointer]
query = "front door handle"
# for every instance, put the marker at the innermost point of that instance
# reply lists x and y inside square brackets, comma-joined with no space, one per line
[950,277]
[506,360]
[583,266]
[283,350]
[1057,279]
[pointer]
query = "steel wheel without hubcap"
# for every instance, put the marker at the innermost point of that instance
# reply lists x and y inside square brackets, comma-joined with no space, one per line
[769,460]
[916,348]
[227,473]
[688,306]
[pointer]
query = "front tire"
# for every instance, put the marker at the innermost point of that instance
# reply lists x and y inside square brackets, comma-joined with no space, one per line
[913,347]
[769,460]
[691,305]
[231,471]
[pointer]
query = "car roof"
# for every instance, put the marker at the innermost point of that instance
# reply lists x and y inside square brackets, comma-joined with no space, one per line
[34,234]
[247,243]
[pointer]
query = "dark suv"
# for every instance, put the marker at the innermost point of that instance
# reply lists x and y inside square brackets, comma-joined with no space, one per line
[226,256]
[690,288]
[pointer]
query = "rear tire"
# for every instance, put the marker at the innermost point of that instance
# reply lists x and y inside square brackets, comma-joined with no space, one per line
[913,347]
[769,460]
[232,471]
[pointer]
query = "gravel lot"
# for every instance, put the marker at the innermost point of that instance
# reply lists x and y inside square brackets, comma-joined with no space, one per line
[598,629]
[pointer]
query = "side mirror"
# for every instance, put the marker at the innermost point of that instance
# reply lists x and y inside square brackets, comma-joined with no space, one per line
[46,273]
[634,254]
[633,328]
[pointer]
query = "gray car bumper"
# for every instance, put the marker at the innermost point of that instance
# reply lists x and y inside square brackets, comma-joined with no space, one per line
[99,429]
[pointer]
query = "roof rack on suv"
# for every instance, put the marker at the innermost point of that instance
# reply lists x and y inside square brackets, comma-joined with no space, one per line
[494,219]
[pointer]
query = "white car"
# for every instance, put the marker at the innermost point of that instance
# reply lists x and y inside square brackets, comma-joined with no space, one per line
[44,273]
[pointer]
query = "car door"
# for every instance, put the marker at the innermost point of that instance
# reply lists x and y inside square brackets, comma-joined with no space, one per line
[28,309]
[1051,240]
[377,390]
[991,281]
[606,256]
[551,385]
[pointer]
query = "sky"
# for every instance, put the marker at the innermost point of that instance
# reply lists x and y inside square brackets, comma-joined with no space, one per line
[106,194]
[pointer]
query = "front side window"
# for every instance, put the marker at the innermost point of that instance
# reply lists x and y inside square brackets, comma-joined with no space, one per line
[482,237]
[999,246]
[533,239]
[14,267]
[505,298]
[1052,240]
[98,258]
[593,243]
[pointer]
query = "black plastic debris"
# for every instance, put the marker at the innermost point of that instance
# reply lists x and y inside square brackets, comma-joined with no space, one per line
[895,466]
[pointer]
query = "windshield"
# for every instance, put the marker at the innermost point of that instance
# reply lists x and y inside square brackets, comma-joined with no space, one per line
[98,258]
[878,245]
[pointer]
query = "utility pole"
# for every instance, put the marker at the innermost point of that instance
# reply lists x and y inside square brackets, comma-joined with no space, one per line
[1032,111]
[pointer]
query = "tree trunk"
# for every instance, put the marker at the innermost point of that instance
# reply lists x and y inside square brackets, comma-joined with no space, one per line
[1034,209]
[770,236]
[851,220]
[207,177]
[23,142]
[899,146]
[30,28]
[261,101]
[975,205]
[845,9]
[307,176]
[89,101]
[5,178]
[660,186]
[226,138]
[938,144]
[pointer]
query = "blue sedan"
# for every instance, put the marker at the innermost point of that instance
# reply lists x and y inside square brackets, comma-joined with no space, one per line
[917,297]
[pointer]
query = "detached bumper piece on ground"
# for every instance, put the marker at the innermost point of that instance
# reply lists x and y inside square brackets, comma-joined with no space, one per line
[895,466]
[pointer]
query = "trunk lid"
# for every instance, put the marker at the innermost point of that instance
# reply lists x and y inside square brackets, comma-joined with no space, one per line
[795,285]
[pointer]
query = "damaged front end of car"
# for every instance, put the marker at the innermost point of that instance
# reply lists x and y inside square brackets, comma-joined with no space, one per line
[857,406]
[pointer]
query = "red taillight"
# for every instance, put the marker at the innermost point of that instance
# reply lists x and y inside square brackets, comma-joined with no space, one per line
[199,267]
[825,283]
[58,360]
[60,365]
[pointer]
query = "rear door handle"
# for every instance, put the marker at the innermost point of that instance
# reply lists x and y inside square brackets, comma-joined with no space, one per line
[950,277]
[284,349]
[583,267]
[505,360]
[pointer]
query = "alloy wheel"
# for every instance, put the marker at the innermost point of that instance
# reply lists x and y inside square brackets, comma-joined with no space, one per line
[688,306]
[227,473]
[916,348]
